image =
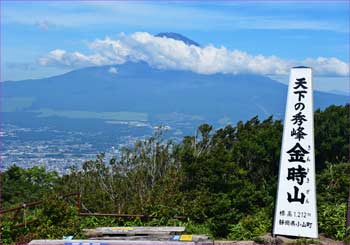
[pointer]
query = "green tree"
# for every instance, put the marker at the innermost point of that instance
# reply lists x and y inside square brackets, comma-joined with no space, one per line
[332,133]
[25,185]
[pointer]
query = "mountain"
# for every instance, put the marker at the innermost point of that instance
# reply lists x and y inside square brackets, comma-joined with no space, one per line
[178,37]
[339,92]
[138,92]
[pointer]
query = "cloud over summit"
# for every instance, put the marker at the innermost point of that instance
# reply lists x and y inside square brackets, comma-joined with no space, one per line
[168,53]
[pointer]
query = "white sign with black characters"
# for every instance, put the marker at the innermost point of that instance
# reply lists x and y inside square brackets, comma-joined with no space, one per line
[295,211]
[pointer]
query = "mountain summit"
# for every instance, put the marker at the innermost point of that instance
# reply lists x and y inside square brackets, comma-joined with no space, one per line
[177,36]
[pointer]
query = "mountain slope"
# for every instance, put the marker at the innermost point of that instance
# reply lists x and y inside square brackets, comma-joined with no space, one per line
[154,95]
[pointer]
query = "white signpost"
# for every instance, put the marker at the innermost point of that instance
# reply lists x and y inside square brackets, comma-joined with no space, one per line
[295,211]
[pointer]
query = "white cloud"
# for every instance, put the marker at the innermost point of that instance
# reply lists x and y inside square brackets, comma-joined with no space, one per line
[113,70]
[166,53]
[328,66]
[44,25]
[60,57]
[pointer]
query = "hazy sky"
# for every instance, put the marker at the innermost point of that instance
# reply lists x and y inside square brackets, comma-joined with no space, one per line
[41,38]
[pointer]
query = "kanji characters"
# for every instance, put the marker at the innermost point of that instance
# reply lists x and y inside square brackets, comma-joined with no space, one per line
[295,198]
[297,174]
[299,119]
[297,153]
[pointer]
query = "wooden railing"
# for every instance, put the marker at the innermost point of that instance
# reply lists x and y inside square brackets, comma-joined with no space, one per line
[24,206]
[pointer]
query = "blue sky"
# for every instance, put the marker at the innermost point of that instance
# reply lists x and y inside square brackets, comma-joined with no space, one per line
[294,32]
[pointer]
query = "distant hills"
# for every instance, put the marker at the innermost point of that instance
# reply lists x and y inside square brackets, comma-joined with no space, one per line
[136,91]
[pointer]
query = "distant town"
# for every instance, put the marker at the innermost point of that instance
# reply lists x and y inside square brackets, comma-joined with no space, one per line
[57,150]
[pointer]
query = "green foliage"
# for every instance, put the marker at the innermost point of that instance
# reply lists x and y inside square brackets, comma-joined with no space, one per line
[25,185]
[57,219]
[331,220]
[257,147]
[333,183]
[193,228]
[332,132]
[216,165]
[8,235]
[252,226]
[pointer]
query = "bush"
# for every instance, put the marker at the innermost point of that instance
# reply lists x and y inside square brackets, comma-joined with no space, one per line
[331,220]
[57,219]
[7,233]
[252,226]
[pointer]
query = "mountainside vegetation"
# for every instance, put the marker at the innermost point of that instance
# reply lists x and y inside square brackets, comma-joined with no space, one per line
[223,181]
[141,92]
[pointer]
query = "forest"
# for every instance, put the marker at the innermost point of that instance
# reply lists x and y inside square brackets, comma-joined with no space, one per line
[220,182]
